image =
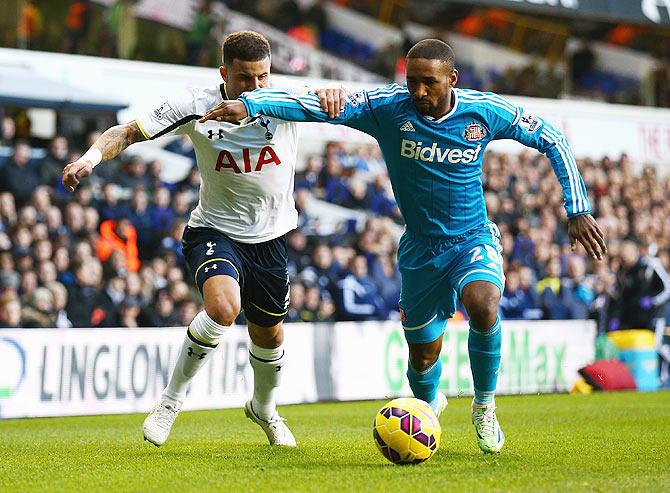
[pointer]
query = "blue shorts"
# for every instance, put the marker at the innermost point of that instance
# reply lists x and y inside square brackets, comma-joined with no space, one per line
[260,269]
[435,271]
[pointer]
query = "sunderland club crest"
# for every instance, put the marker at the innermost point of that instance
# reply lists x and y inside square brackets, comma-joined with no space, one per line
[474,131]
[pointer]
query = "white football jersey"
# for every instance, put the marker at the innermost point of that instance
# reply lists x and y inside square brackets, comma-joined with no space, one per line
[247,169]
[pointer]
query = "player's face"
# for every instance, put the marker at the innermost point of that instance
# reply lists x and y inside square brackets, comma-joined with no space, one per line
[430,82]
[243,76]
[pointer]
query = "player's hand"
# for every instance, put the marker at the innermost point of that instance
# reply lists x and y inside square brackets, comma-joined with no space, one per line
[228,111]
[73,173]
[332,100]
[585,230]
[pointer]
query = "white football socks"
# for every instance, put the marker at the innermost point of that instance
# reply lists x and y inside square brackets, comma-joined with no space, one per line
[202,337]
[267,365]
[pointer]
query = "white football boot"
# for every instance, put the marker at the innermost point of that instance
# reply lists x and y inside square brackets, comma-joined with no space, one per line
[158,424]
[490,436]
[275,429]
[441,403]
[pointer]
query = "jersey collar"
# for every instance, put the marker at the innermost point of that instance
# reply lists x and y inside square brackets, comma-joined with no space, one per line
[454,98]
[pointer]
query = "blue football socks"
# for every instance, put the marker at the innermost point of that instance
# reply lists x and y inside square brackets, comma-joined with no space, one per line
[484,350]
[424,383]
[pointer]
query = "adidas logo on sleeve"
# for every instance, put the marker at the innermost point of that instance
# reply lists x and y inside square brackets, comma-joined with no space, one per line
[407,127]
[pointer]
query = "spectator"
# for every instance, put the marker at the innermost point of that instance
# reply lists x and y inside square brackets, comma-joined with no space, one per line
[140,217]
[84,307]
[582,63]
[59,293]
[30,25]
[297,302]
[386,276]
[10,310]
[162,216]
[312,304]
[642,290]
[134,175]
[181,206]
[39,312]
[171,244]
[197,38]
[162,313]
[110,206]
[358,299]
[188,309]
[573,298]
[7,131]
[298,256]
[119,236]
[77,24]
[8,215]
[129,312]
[323,272]
[19,176]
[51,166]
[517,303]
[123,25]
[75,220]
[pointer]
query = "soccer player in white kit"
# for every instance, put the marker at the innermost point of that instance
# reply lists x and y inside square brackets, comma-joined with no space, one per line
[235,241]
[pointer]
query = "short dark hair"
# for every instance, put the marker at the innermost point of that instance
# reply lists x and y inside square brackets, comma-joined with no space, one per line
[247,46]
[433,49]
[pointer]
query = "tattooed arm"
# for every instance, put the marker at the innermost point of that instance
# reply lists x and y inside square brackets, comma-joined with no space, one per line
[110,144]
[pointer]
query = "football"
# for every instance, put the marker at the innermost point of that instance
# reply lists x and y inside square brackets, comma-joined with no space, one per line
[406,431]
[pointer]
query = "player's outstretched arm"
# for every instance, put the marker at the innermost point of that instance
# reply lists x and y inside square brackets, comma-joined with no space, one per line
[232,110]
[332,101]
[109,145]
[585,230]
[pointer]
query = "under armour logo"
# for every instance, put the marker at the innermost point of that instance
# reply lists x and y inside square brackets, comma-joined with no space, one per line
[210,247]
[266,125]
[213,267]
[211,134]
[193,353]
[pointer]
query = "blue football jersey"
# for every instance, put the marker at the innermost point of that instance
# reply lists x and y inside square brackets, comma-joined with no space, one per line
[435,165]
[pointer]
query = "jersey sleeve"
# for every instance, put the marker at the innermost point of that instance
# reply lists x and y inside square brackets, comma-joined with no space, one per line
[171,117]
[511,122]
[358,112]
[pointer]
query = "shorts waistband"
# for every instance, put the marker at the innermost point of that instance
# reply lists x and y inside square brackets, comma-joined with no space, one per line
[449,240]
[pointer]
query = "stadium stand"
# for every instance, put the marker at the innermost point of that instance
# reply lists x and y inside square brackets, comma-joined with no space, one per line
[500,50]
[111,256]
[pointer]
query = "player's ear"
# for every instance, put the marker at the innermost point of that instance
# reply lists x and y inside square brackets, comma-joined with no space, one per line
[223,70]
[453,77]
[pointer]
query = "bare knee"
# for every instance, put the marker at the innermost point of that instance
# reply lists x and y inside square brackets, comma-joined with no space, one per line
[422,356]
[222,299]
[481,300]
[223,310]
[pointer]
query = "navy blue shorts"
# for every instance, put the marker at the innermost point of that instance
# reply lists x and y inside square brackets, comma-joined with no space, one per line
[260,270]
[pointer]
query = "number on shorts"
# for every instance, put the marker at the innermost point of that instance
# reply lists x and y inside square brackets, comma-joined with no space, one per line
[491,253]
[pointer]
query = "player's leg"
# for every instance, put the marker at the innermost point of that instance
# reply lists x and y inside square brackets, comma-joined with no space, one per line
[213,263]
[424,370]
[480,284]
[265,306]
[481,299]
[266,356]
[422,318]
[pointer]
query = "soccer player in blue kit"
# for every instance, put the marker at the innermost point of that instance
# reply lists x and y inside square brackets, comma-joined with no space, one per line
[432,136]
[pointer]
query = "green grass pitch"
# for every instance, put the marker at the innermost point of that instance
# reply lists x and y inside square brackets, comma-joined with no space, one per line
[601,442]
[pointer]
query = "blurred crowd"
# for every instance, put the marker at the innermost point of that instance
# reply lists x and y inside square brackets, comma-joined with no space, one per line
[110,254]
[82,26]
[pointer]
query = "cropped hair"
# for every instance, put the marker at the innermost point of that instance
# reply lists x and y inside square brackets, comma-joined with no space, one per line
[247,46]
